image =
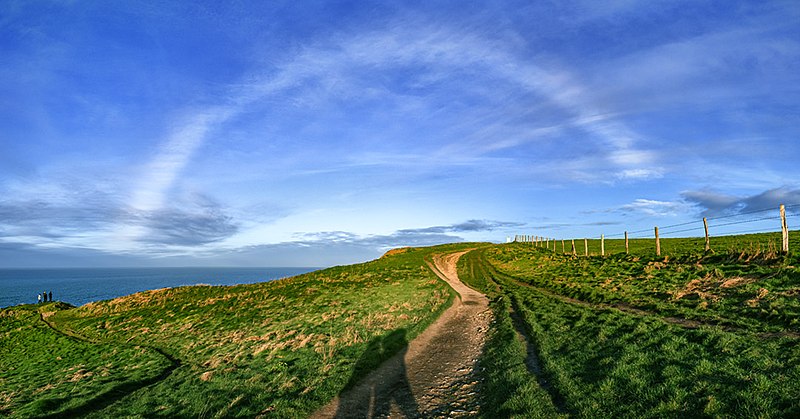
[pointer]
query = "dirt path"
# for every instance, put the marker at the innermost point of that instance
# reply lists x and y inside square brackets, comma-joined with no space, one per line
[435,376]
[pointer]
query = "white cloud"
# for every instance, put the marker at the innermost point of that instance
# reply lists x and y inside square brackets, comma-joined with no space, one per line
[657,208]
[640,174]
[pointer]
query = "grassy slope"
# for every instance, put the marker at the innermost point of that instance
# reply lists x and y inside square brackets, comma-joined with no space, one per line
[42,371]
[598,360]
[281,348]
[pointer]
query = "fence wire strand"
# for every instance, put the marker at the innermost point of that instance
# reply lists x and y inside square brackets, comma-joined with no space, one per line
[743,222]
[665,231]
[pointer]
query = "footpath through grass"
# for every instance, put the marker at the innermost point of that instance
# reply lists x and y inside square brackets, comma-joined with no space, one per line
[45,372]
[639,336]
[280,348]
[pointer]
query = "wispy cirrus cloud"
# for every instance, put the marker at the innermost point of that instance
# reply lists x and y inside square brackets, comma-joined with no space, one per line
[434,63]
[357,67]
[655,208]
[392,117]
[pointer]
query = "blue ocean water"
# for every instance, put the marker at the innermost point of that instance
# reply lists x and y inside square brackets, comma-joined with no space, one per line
[81,286]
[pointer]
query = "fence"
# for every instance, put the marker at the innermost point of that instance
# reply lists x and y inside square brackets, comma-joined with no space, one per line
[749,225]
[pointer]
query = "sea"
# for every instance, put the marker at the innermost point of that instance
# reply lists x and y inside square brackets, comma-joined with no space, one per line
[79,286]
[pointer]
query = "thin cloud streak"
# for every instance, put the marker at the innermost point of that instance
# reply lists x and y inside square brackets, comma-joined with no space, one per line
[443,50]
[364,122]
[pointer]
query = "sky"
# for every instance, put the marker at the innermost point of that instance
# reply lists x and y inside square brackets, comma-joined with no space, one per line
[323,133]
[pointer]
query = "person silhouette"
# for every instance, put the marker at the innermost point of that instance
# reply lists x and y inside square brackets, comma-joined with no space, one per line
[38,298]
[398,393]
[50,296]
[366,398]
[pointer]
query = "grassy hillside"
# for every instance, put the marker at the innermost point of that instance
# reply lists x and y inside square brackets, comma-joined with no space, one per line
[684,334]
[280,348]
[687,333]
[42,371]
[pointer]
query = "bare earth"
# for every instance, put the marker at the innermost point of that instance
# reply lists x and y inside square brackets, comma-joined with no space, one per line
[435,376]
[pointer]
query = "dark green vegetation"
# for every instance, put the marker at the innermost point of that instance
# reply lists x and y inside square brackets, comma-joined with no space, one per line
[280,348]
[684,334]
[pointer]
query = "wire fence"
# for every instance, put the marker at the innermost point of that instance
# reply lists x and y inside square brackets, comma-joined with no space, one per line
[765,230]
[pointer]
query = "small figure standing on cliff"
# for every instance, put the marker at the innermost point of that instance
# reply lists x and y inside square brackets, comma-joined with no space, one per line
[38,298]
[50,296]
[44,296]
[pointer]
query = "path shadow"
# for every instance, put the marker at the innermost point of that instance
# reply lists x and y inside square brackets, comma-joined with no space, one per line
[374,396]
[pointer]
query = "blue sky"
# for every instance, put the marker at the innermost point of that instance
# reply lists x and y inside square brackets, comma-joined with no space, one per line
[320,133]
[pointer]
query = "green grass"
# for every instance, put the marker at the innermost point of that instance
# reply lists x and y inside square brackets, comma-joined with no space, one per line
[281,348]
[687,333]
[45,372]
[751,290]
[684,334]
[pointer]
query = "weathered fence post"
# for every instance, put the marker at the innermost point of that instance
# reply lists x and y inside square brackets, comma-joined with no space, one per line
[574,252]
[658,244]
[602,245]
[784,230]
[563,248]
[627,250]
[585,247]
[705,227]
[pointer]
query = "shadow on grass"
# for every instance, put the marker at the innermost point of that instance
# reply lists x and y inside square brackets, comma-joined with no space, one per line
[367,397]
[532,361]
[106,398]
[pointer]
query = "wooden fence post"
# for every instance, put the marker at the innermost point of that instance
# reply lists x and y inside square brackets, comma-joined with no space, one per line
[586,247]
[574,252]
[627,250]
[658,244]
[602,245]
[563,248]
[784,230]
[705,227]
